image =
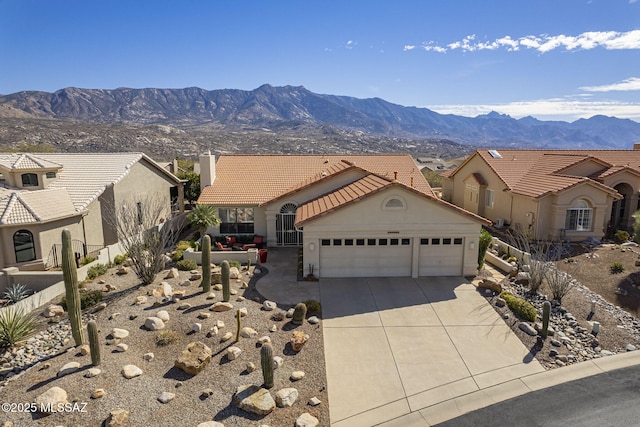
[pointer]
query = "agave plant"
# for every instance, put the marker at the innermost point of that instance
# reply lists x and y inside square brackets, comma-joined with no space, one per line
[17,292]
[15,326]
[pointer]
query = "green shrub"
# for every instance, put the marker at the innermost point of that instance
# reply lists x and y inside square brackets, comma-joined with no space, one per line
[616,267]
[521,307]
[96,270]
[621,236]
[166,337]
[235,264]
[186,265]
[483,245]
[17,292]
[15,326]
[119,259]
[177,256]
[183,245]
[87,299]
[87,260]
[313,306]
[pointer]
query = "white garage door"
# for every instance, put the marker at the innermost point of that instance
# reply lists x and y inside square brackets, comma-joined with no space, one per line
[368,257]
[441,256]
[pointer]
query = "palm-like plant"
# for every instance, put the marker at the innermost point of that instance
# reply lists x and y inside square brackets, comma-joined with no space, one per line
[17,292]
[15,326]
[203,217]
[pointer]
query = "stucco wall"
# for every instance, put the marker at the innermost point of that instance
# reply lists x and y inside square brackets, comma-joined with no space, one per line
[599,202]
[367,218]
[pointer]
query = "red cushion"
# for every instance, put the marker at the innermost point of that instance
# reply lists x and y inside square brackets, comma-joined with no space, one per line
[257,239]
[219,245]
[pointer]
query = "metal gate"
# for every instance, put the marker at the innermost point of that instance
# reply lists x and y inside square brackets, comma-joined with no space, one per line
[286,232]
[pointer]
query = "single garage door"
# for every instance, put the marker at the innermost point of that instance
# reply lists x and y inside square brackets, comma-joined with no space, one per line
[441,256]
[365,257]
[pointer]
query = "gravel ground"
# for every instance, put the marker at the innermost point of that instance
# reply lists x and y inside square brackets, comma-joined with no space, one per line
[140,395]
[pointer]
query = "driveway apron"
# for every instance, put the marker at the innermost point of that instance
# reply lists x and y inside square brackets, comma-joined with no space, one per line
[394,346]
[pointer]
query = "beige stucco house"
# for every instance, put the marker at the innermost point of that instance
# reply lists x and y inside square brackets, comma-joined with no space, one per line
[353,215]
[550,194]
[43,193]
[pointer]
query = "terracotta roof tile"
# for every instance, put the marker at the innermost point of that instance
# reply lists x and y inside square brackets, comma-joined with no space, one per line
[257,179]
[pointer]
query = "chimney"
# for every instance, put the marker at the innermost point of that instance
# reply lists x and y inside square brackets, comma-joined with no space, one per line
[636,146]
[207,170]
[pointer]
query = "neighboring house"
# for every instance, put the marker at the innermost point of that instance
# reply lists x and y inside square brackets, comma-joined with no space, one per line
[353,215]
[550,194]
[43,193]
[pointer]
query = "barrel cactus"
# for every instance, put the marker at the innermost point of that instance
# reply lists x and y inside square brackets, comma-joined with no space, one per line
[546,311]
[299,313]
[226,292]
[206,263]
[94,343]
[266,360]
[72,293]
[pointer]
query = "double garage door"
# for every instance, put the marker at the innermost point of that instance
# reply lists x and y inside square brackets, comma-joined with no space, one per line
[390,257]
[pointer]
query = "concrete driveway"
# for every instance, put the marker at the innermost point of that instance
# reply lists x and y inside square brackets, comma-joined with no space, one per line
[395,346]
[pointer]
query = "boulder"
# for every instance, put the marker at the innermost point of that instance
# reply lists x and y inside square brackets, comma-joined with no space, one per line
[53,311]
[490,284]
[194,358]
[254,399]
[286,397]
[153,323]
[51,398]
[163,290]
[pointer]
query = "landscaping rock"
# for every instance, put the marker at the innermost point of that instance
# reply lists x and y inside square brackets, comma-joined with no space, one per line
[314,401]
[69,368]
[183,306]
[234,273]
[296,375]
[84,349]
[306,420]
[172,274]
[51,398]
[194,358]
[221,306]
[119,333]
[298,339]
[166,397]
[248,332]
[250,367]
[92,372]
[277,362]
[131,371]
[121,348]
[210,424]
[233,353]
[53,311]
[196,327]
[264,339]
[226,337]
[313,320]
[286,397]
[163,315]
[97,393]
[117,418]
[500,302]
[269,305]
[148,357]
[164,290]
[527,329]
[153,323]
[254,399]
[243,311]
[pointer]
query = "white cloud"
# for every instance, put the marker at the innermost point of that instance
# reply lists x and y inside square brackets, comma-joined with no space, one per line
[610,40]
[548,109]
[409,47]
[632,83]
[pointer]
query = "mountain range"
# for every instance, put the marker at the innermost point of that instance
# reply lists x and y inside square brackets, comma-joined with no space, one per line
[287,108]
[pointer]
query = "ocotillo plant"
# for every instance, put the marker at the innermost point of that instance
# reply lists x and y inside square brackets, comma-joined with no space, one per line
[71,288]
[299,313]
[226,292]
[546,311]
[206,263]
[266,361]
[238,325]
[94,343]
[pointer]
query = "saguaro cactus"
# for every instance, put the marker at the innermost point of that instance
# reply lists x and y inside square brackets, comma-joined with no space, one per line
[299,313]
[238,325]
[266,361]
[546,311]
[226,292]
[71,288]
[94,343]
[206,263]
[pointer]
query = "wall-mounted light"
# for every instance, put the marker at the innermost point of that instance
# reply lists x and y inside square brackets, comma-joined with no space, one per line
[312,246]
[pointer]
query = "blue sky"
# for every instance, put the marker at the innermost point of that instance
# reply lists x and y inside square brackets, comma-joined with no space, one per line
[553,59]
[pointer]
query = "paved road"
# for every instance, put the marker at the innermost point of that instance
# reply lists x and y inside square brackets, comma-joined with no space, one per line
[608,399]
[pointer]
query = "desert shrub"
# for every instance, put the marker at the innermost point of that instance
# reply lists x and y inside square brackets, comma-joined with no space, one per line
[87,260]
[484,243]
[616,267]
[313,306]
[96,270]
[87,299]
[621,236]
[119,259]
[235,264]
[521,307]
[15,326]
[17,292]
[279,316]
[166,337]
[177,256]
[186,265]
[183,245]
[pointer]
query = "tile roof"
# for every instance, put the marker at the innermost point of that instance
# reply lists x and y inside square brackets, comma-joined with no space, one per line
[535,173]
[26,207]
[257,179]
[26,161]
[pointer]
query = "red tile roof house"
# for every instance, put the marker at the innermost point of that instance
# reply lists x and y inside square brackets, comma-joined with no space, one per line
[353,215]
[550,194]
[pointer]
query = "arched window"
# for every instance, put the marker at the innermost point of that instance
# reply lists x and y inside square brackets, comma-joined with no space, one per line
[393,203]
[24,246]
[29,180]
[579,216]
[289,208]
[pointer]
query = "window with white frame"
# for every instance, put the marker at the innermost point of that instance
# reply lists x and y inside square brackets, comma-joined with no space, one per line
[488,198]
[236,220]
[579,217]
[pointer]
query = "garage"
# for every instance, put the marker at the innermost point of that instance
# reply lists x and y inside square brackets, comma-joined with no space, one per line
[441,256]
[361,257]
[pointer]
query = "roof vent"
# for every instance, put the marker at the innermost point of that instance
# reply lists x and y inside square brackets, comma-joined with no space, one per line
[495,154]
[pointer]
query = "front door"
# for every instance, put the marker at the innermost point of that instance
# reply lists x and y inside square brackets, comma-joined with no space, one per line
[286,232]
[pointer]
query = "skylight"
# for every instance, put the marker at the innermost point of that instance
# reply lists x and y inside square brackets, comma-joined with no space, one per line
[495,154]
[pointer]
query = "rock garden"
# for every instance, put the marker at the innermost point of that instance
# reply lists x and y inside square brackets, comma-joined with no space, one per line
[181,351]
